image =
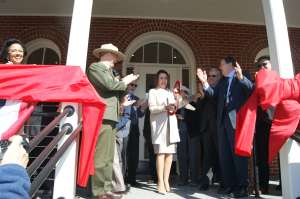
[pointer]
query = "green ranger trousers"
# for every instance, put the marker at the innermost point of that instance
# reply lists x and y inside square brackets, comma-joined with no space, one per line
[103,159]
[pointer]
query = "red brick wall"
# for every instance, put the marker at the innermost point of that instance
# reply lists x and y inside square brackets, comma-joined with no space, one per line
[209,41]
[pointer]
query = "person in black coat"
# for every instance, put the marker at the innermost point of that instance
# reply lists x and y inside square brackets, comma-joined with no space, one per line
[262,133]
[209,140]
[183,147]
[193,120]
[230,94]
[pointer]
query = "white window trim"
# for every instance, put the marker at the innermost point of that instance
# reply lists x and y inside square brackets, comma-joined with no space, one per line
[41,43]
[170,39]
[262,52]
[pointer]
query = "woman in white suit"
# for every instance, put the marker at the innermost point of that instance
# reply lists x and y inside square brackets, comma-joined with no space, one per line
[164,128]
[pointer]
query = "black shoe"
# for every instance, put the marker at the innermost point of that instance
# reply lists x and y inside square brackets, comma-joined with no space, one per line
[127,189]
[240,193]
[194,184]
[183,183]
[135,184]
[224,190]
[204,187]
[264,189]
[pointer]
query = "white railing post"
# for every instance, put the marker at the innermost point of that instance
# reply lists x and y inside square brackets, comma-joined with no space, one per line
[66,168]
[282,62]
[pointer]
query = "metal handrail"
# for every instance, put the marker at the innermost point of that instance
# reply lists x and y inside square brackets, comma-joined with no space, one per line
[43,114]
[296,136]
[45,153]
[41,177]
[47,130]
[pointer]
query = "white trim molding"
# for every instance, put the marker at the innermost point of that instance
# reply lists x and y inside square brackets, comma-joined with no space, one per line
[262,52]
[170,39]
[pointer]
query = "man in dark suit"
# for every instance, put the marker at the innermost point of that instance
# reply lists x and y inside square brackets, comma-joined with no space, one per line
[262,133]
[230,94]
[137,111]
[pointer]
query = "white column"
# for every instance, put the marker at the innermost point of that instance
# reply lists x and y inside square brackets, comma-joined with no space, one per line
[66,169]
[282,62]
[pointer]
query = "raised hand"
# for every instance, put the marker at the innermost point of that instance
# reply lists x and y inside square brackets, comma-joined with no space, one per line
[238,71]
[202,76]
[128,102]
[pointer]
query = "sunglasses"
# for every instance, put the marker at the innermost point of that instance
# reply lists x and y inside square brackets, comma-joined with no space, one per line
[212,75]
[133,85]
[264,65]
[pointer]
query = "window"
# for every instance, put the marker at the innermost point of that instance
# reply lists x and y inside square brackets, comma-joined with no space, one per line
[186,77]
[157,52]
[43,56]
[150,53]
[138,56]
[165,54]
[43,51]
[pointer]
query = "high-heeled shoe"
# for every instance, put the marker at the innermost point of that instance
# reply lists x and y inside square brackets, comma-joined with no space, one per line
[161,193]
[167,187]
[161,190]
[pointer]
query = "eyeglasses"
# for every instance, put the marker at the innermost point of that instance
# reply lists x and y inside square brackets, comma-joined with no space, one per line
[212,75]
[133,85]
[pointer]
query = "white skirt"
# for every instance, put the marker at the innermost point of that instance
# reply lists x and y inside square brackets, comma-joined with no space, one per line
[166,147]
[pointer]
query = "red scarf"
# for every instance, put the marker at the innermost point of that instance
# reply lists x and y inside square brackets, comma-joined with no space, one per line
[33,83]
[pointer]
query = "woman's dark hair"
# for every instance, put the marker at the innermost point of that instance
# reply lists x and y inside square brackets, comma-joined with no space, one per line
[7,43]
[230,60]
[163,72]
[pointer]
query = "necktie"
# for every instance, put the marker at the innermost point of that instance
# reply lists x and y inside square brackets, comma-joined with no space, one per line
[226,90]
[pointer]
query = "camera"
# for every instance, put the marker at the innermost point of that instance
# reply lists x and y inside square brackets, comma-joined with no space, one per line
[4,144]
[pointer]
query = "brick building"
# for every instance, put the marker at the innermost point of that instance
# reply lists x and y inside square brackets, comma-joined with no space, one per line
[180,39]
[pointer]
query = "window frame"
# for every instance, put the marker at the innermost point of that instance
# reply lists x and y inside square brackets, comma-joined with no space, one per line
[37,44]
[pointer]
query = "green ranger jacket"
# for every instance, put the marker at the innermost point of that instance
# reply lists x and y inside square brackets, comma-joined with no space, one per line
[109,88]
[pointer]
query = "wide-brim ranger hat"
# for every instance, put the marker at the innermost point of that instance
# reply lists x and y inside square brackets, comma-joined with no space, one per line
[108,48]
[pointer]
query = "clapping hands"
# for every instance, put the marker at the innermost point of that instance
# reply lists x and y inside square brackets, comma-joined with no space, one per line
[130,78]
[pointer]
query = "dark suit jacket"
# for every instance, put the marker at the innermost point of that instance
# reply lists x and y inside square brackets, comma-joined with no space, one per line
[209,115]
[194,118]
[240,90]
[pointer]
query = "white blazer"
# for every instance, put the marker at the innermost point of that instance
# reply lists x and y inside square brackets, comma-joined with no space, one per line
[158,99]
